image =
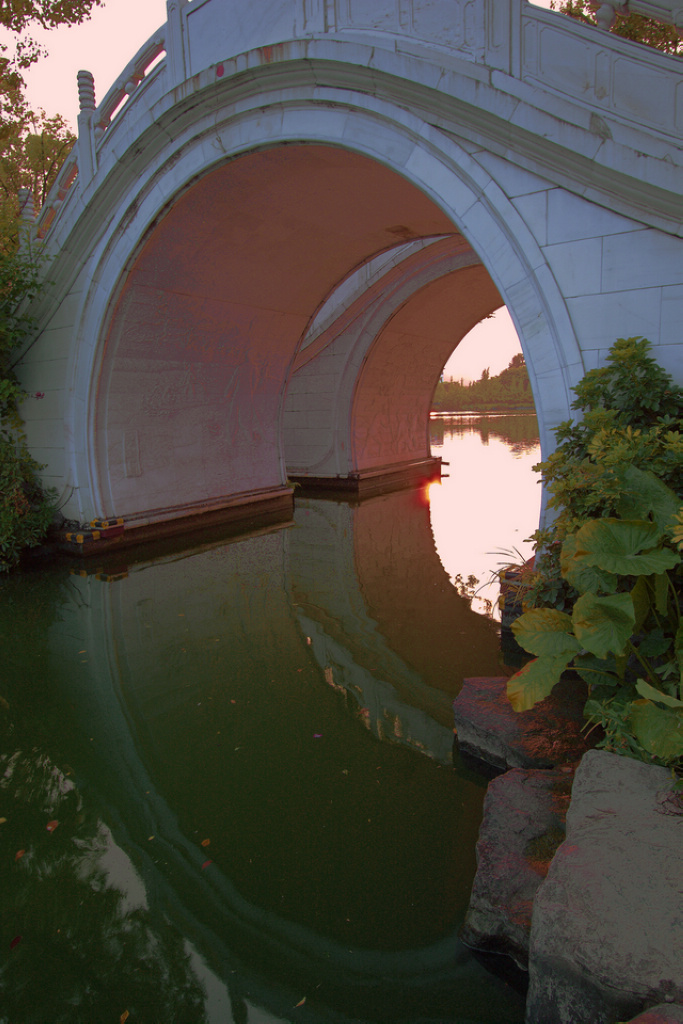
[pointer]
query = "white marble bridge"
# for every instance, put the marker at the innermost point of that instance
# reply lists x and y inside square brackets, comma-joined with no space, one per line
[284,216]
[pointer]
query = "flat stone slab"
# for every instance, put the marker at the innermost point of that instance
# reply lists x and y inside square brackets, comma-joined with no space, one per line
[607,925]
[523,825]
[548,735]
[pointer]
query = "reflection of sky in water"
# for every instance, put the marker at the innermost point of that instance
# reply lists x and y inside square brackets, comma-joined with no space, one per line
[490,501]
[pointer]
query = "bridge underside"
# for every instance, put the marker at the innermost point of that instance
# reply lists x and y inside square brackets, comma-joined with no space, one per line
[288,315]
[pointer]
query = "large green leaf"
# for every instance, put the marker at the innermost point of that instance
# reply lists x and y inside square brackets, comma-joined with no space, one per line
[624,546]
[641,595]
[603,624]
[582,576]
[678,651]
[545,631]
[661,583]
[650,693]
[534,682]
[659,730]
[598,671]
[646,495]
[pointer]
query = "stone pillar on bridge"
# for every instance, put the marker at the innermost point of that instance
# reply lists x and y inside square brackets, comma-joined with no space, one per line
[175,43]
[87,157]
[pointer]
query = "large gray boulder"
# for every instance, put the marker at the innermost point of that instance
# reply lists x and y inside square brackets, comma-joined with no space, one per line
[488,729]
[522,827]
[607,923]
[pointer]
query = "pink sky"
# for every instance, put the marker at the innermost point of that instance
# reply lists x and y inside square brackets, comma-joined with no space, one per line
[106,43]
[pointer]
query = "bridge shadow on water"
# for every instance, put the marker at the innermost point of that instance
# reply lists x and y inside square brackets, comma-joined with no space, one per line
[230,781]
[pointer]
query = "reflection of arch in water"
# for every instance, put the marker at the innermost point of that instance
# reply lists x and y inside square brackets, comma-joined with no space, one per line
[373,583]
[144,702]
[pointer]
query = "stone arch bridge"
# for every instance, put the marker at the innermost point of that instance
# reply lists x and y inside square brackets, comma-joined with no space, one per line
[284,216]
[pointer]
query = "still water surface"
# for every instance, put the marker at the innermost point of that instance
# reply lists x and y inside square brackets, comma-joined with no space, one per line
[227,789]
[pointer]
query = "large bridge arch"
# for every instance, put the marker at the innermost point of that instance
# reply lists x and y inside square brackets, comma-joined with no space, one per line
[461,122]
[149,441]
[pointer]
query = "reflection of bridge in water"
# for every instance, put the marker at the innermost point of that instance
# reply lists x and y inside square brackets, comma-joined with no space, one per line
[193,704]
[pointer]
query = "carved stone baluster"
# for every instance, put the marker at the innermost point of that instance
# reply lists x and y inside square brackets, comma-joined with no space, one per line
[605,16]
[87,156]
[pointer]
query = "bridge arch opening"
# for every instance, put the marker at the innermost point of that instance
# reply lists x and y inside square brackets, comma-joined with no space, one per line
[214,381]
[212,316]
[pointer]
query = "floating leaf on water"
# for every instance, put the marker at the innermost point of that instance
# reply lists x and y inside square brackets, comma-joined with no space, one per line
[124,1016]
[301,1002]
[19,854]
[206,864]
[15,941]
[2,821]
[206,842]
[52,825]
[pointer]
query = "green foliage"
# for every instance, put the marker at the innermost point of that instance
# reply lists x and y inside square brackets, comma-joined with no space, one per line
[19,14]
[629,26]
[510,389]
[32,145]
[33,149]
[624,457]
[605,597]
[25,509]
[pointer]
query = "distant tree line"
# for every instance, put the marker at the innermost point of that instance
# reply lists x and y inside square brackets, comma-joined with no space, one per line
[508,391]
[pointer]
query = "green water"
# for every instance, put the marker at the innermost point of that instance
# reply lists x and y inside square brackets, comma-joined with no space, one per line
[228,784]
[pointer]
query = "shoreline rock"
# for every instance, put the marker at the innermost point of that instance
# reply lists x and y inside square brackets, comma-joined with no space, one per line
[488,729]
[607,923]
[597,914]
[522,827]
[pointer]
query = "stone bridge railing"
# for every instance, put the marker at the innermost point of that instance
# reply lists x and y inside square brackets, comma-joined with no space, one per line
[613,78]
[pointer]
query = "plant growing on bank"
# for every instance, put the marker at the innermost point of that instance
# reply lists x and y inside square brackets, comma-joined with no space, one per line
[25,509]
[605,598]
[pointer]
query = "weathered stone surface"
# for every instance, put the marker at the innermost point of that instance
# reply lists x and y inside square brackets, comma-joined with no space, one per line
[665,1013]
[522,826]
[548,735]
[607,926]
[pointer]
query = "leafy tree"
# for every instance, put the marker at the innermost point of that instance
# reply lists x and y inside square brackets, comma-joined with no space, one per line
[25,509]
[19,14]
[509,390]
[629,26]
[32,146]
[32,149]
